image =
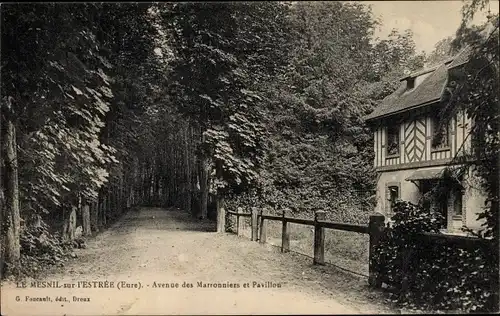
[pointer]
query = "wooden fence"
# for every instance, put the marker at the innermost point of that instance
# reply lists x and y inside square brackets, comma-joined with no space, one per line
[259,220]
[374,229]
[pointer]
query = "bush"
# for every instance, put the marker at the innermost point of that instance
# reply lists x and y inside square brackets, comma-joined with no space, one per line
[302,202]
[40,248]
[434,275]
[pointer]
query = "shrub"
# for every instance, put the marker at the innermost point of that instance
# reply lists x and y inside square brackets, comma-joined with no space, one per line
[40,248]
[434,275]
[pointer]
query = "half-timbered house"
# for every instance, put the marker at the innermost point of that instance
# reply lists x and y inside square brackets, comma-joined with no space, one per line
[413,146]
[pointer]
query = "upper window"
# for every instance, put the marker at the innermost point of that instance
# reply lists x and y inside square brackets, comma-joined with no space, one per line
[440,133]
[393,140]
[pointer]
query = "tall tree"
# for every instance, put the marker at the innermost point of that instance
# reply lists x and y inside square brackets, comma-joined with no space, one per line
[477,95]
[442,51]
[220,64]
[54,107]
[63,108]
[320,154]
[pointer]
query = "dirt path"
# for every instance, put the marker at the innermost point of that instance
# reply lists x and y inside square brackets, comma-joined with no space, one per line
[156,248]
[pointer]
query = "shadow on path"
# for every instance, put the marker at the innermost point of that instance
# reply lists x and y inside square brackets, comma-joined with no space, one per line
[166,219]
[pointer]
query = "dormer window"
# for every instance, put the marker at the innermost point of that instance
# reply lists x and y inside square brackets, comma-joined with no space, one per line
[393,140]
[410,83]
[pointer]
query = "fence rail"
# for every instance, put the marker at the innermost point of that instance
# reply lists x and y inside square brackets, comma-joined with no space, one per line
[259,231]
[345,227]
[240,214]
[374,229]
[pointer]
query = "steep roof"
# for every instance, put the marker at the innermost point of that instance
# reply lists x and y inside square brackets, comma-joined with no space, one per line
[461,58]
[430,90]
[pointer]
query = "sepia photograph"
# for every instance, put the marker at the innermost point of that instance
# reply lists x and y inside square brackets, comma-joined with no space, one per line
[249,158]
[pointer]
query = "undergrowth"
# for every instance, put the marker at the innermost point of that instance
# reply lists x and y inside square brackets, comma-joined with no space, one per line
[433,275]
[41,249]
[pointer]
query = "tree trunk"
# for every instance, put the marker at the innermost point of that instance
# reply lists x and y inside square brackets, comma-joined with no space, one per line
[143,185]
[121,193]
[105,208]
[94,209]
[166,192]
[2,203]
[188,170]
[100,210]
[69,227]
[175,186]
[204,165]
[12,219]
[114,201]
[130,197]
[148,188]
[157,191]
[87,230]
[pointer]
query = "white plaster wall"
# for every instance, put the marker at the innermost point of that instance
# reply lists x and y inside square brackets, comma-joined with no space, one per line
[473,199]
[407,190]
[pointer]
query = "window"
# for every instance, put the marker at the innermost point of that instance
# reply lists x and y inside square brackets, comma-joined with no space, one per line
[457,204]
[393,140]
[455,219]
[393,196]
[440,133]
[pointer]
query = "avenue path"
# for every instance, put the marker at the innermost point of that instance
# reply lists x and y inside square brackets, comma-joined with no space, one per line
[160,248]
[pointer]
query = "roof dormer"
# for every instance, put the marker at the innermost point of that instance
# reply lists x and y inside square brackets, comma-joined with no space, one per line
[415,80]
[410,83]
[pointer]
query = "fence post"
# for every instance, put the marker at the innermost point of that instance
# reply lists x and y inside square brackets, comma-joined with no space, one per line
[285,237]
[221,215]
[263,228]
[375,229]
[255,223]
[319,239]
[239,224]
[237,228]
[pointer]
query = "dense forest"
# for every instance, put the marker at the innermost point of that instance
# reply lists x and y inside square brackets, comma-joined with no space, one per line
[199,106]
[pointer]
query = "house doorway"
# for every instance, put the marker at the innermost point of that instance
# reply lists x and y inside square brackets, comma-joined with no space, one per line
[447,201]
[435,200]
